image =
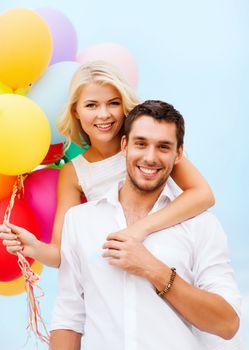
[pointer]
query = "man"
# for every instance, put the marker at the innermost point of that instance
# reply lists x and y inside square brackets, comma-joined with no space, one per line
[143,296]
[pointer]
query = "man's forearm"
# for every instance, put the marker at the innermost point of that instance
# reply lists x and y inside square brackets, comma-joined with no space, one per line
[207,311]
[63,339]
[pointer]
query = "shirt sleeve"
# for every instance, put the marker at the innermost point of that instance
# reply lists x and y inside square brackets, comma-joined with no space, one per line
[69,309]
[212,269]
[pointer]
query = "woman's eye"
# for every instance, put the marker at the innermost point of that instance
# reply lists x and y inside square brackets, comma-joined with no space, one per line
[115,103]
[91,105]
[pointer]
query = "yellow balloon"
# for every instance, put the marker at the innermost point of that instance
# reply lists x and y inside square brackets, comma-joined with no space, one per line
[26,47]
[17,286]
[24,134]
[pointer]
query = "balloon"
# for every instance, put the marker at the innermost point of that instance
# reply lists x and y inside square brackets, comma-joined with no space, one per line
[6,185]
[73,151]
[24,134]
[26,47]
[63,33]
[5,89]
[115,54]
[17,286]
[23,216]
[55,153]
[51,92]
[40,192]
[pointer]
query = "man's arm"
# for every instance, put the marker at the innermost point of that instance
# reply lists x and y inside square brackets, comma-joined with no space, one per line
[206,310]
[63,339]
[68,316]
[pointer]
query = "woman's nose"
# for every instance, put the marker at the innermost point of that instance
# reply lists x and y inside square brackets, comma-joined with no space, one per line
[104,112]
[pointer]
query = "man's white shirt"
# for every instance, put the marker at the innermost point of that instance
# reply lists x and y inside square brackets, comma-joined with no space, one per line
[115,310]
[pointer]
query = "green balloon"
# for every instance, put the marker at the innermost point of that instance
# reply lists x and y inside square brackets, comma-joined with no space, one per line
[74,150]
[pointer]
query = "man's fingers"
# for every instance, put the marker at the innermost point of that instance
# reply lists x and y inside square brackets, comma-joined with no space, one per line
[116,237]
[111,253]
[113,245]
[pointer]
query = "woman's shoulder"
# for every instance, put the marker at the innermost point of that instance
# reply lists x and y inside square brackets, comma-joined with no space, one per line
[68,175]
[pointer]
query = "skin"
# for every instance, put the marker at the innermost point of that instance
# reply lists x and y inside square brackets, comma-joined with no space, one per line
[100,105]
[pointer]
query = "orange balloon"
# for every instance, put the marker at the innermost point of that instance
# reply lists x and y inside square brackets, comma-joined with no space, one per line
[6,185]
[17,286]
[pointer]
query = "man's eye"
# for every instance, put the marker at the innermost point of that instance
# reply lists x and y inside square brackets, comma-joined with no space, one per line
[140,144]
[164,147]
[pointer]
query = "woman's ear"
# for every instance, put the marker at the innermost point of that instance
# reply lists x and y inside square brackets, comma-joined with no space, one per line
[74,111]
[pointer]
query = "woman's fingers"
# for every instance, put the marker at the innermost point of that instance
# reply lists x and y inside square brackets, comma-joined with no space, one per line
[9,236]
[11,243]
[14,250]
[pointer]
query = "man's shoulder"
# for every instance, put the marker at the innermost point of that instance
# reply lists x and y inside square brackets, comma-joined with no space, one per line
[83,209]
[204,223]
[203,218]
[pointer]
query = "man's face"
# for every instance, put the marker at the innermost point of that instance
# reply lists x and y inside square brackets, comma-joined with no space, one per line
[151,153]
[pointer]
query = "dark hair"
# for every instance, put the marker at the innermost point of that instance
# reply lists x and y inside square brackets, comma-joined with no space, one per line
[160,111]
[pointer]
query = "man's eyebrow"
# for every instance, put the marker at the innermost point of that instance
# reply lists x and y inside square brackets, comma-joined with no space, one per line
[166,142]
[160,142]
[139,138]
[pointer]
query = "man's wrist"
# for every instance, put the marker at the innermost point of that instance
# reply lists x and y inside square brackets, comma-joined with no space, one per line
[157,274]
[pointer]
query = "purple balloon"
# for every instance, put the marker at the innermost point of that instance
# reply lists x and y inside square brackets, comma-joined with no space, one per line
[63,33]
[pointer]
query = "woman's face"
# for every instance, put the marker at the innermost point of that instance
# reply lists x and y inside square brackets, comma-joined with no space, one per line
[100,111]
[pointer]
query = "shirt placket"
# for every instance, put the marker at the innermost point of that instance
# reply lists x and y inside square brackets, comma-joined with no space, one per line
[130,300]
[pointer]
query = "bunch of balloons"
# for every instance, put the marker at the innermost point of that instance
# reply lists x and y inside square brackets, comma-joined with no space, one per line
[36,67]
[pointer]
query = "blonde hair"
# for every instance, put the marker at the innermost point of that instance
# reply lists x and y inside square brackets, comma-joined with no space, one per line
[99,72]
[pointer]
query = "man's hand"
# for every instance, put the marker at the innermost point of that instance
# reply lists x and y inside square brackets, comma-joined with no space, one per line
[129,254]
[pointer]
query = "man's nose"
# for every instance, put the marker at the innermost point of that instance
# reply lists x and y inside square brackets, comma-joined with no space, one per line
[150,156]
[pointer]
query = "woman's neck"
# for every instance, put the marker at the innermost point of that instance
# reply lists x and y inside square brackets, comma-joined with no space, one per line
[97,152]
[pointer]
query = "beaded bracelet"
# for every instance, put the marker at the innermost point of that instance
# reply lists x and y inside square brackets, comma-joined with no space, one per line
[169,284]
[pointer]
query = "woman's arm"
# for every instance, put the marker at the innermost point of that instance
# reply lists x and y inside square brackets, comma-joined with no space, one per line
[195,198]
[69,194]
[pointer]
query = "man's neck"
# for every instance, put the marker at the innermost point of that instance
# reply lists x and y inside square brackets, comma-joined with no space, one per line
[136,204]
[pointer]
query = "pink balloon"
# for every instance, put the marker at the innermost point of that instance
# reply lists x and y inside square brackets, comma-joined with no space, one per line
[115,54]
[40,193]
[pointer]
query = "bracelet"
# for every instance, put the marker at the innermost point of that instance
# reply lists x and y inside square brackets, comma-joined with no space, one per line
[169,284]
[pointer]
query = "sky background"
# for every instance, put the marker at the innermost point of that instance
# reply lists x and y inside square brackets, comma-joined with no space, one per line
[193,54]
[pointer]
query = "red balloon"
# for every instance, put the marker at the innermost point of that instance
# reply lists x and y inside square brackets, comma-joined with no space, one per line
[21,215]
[55,153]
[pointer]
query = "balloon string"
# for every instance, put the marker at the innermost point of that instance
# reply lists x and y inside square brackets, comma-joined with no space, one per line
[30,278]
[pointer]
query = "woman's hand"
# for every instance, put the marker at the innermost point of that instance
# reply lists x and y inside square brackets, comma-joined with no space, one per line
[133,231]
[17,239]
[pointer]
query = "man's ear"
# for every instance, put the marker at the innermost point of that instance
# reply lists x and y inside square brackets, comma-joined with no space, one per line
[123,145]
[179,154]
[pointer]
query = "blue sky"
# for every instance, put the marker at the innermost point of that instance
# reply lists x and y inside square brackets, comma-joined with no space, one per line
[193,54]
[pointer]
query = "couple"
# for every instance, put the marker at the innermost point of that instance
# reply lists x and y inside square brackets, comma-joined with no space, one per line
[176,290]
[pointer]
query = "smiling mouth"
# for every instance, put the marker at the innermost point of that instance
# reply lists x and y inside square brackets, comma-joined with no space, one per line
[148,172]
[104,126]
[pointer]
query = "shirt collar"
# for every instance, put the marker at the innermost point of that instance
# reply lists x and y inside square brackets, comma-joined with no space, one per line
[112,196]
